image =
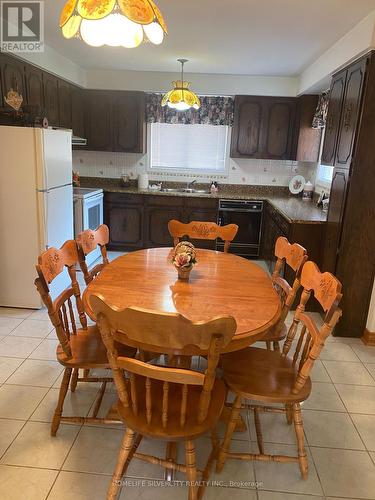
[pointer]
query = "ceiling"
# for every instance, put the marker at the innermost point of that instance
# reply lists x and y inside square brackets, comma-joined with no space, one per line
[243,37]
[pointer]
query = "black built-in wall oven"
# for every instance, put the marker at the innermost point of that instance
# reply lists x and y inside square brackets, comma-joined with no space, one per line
[248,217]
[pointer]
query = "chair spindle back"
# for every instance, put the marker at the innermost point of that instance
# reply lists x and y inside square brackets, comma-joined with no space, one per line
[202,231]
[326,289]
[51,264]
[294,256]
[161,332]
[87,242]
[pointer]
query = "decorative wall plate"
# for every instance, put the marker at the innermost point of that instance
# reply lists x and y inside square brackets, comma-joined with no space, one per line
[297,184]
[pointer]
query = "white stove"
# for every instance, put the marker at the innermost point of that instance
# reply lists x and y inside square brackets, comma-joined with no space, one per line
[88,214]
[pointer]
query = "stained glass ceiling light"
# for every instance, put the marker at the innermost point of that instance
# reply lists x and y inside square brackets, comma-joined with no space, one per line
[181,97]
[113,22]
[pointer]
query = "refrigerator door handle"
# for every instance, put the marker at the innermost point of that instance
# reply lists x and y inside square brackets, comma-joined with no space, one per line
[51,189]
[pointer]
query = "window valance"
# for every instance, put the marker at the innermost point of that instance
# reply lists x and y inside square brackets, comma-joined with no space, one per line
[213,111]
[320,116]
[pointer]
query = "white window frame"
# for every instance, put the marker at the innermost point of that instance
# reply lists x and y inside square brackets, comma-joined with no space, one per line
[190,171]
[322,181]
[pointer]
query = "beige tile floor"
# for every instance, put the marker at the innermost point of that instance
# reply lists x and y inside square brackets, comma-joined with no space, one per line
[339,420]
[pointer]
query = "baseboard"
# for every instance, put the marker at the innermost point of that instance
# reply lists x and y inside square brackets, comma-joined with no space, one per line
[368,338]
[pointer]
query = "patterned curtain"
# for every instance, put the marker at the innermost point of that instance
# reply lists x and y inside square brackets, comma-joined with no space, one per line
[213,111]
[320,116]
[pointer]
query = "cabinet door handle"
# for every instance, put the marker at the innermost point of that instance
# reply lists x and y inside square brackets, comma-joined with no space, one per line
[348,117]
[330,123]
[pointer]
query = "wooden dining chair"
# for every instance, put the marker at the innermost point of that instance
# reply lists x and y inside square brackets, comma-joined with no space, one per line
[268,377]
[81,346]
[202,231]
[293,256]
[87,242]
[162,402]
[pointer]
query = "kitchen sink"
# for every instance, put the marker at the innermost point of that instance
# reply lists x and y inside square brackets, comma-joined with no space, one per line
[185,190]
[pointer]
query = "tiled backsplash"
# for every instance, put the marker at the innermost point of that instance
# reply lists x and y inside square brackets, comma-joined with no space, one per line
[251,172]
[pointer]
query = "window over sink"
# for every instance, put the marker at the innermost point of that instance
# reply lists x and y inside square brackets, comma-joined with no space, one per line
[324,176]
[192,148]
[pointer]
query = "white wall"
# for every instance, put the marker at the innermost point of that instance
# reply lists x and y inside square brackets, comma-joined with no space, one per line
[241,171]
[314,78]
[55,63]
[153,81]
[371,314]
[357,41]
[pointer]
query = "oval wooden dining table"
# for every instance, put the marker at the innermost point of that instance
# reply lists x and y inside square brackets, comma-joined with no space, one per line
[220,284]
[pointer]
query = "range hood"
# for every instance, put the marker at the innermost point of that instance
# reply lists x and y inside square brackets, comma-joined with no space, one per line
[78,141]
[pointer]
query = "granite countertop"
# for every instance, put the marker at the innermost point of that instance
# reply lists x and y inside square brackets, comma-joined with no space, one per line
[291,207]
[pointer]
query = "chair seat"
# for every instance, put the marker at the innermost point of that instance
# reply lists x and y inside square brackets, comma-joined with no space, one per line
[88,350]
[262,375]
[173,429]
[275,336]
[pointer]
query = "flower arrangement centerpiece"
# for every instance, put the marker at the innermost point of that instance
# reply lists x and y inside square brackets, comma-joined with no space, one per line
[184,259]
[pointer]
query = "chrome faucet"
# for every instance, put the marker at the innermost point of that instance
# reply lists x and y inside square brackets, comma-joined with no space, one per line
[189,185]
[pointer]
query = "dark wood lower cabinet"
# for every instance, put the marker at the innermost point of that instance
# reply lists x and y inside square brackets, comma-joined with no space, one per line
[271,230]
[158,212]
[202,209]
[139,221]
[310,236]
[123,214]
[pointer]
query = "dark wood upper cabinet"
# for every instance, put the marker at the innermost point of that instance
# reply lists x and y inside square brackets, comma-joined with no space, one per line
[1,89]
[308,139]
[34,88]
[51,99]
[333,118]
[350,110]
[246,134]
[115,121]
[280,128]
[65,104]
[78,112]
[263,127]
[110,120]
[99,125]
[13,76]
[129,122]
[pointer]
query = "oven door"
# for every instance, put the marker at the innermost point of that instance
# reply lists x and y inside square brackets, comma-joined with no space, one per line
[93,212]
[92,219]
[247,240]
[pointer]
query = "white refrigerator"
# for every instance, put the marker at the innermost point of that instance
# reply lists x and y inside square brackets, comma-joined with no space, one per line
[36,208]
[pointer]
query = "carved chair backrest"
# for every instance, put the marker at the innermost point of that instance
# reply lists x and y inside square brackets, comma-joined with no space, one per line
[161,333]
[202,231]
[51,264]
[87,242]
[326,289]
[294,256]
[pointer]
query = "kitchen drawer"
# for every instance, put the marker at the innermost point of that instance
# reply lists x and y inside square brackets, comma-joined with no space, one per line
[201,203]
[124,198]
[164,201]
